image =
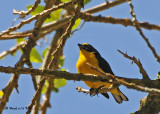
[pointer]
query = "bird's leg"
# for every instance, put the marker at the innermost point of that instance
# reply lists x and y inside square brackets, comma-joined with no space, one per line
[97,89]
[94,91]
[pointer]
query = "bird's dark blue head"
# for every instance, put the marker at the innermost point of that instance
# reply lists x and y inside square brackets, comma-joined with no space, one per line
[88,48]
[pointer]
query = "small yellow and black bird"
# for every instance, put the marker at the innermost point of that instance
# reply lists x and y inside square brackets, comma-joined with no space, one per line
[89,55]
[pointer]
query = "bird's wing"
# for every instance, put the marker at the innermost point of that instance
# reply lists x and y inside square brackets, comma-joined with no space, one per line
[104,65]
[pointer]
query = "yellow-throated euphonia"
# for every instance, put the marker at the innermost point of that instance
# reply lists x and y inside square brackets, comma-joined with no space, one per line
[89,55]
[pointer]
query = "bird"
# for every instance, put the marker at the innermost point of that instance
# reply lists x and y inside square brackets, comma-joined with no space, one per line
[90,56]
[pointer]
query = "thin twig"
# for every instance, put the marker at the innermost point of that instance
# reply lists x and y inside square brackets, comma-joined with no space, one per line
[78,28]
[35,96]
[136,24]
[138,63]
[23,14]
[45,12]
[101,90]
[80,89]
[104,6]
[29,64]
[11,50]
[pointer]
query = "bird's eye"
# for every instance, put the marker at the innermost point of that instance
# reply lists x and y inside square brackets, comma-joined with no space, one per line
[86,48]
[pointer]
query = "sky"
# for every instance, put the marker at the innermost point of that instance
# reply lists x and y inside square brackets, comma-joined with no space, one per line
[107,39]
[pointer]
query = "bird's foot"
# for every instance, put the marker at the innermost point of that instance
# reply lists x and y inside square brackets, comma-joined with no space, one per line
[93,92]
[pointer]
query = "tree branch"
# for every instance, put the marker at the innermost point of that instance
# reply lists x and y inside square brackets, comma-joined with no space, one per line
[136,24]
[23,14]
[124,22]
[139,64]
[45,12]
[12,50]
[152,86]
[104,6]
[14,36]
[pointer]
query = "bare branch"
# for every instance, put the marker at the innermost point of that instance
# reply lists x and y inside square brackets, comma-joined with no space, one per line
[124,22]
[35,96]
[152,86]
[45,12]
[23,14]
[12,50]
[32,8]
[139,64]
[116,82]
[14,36]
[100,90]
[67,32]
[136,24]
[104,6]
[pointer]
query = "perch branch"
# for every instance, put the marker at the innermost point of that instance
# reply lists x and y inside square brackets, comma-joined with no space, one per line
[153,85]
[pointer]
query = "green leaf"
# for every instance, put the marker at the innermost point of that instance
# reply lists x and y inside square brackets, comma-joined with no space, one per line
[77,22]
[1,93]
[86,1]
[35,56]
[61,62]
[44,52]
[59,83]
[39,9]
[44,89]
[63,69]
[54,16]
[14,54]
[20,40]
[65,0]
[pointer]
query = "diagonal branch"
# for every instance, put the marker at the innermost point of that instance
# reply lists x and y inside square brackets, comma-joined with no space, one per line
[45,12]
[136,24]
[38,91]
[12,50]
[23,14]
[139,64]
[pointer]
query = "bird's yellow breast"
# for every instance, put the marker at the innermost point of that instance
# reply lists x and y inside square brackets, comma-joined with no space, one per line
[84,68]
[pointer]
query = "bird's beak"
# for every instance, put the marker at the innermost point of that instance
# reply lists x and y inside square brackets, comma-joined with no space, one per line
[80,46]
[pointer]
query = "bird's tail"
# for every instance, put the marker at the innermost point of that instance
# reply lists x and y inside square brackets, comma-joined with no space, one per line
[119,98]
